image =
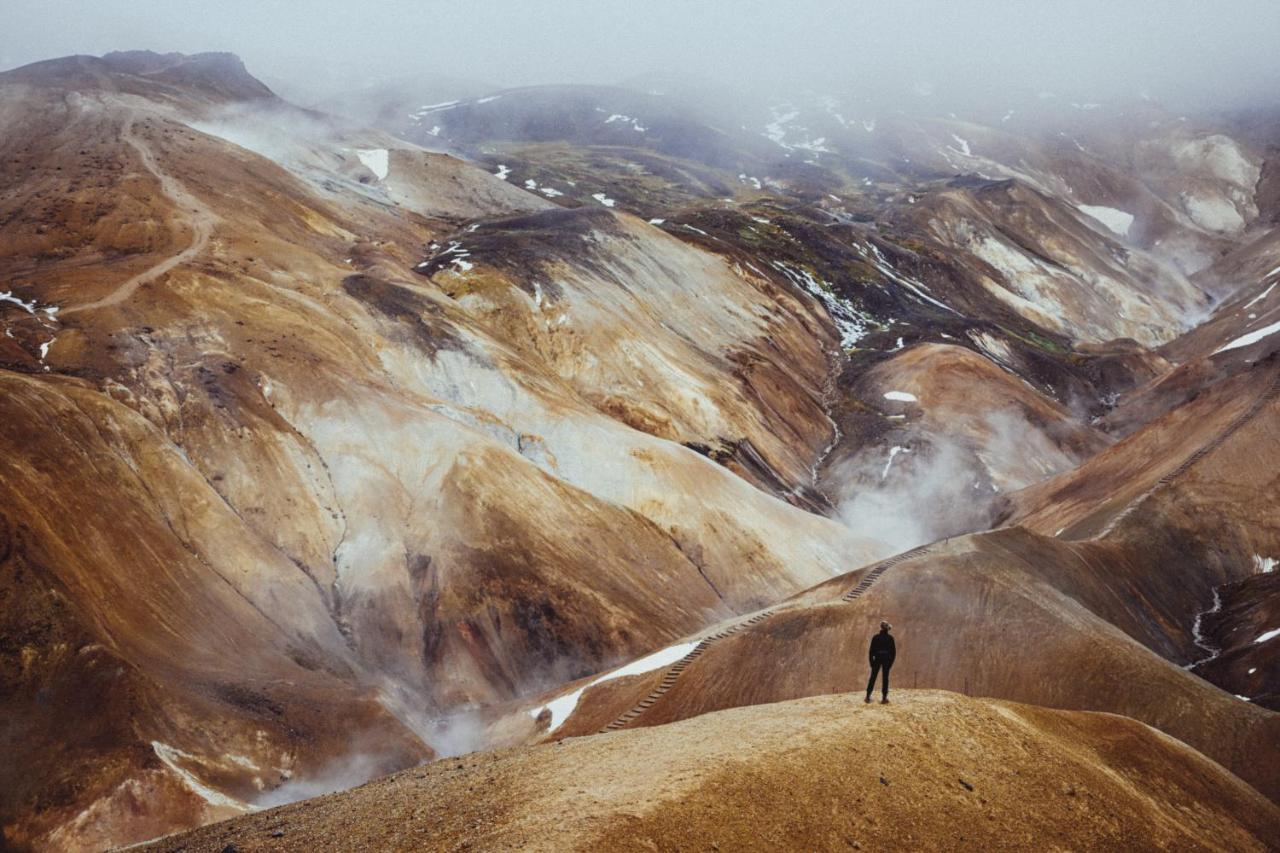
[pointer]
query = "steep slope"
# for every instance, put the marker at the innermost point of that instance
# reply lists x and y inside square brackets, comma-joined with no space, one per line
[1104,622]
[983,616]
[1199,473]
[603,301]
[1060,259]
[1053,267]
[1181,189]
[934,771]
[323,453]
[355,474]
[962,432]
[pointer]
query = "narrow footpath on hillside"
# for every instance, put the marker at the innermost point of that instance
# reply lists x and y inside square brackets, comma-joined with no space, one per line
[1187,464]
[199,218]
[673,673]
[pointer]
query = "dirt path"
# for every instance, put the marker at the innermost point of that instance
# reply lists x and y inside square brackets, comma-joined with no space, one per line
[199,218]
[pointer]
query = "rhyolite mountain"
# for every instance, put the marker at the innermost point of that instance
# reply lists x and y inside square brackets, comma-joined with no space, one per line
[330,449]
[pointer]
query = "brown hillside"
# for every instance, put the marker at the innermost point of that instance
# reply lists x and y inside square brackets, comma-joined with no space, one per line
[934,771]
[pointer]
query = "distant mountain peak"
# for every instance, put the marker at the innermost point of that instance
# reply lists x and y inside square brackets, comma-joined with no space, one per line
[218,74]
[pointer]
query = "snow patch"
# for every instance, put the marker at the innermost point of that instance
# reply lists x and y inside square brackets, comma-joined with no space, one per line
[881,263]
[777,129]
[426,109]
[893,452]
[502,172]
[1116,220]
[849,322]
[603,199]
[169,756]
[1251,338]
[562,706]
[816,146]
[44,314]
[634,122]
[1269,635]
[994,348]
[901,397]
[29,307]
[376,160]
[1199,638]
[964,146]
[1261,296]
[459,258]
[1264,565]
[656,221]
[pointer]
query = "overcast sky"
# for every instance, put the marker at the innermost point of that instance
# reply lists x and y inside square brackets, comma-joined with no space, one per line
[1190,50]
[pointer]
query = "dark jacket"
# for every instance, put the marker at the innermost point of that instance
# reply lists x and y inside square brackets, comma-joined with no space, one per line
[882,648]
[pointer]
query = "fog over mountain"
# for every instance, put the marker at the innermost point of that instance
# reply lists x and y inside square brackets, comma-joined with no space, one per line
[535,410]
[1183,52]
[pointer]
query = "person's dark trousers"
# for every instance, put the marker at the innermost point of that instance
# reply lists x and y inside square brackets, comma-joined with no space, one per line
[876,668]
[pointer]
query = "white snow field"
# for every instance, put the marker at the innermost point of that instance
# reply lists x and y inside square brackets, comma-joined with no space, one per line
[562,706]
[376,160]
[1117,221]
[1251,338]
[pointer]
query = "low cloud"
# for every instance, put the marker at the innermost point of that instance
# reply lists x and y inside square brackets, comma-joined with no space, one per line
[1210,54]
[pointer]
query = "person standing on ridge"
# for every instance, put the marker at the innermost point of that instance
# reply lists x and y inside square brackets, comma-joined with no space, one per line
[882,653]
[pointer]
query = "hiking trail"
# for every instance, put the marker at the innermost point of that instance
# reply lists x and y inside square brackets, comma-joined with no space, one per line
[199,218]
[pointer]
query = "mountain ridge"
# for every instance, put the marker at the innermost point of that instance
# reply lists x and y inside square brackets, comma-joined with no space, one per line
[329,450]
